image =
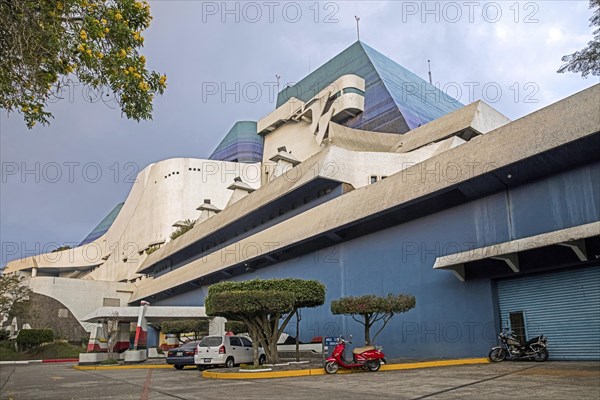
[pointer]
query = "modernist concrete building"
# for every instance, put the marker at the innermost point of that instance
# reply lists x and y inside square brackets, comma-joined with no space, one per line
[372,181]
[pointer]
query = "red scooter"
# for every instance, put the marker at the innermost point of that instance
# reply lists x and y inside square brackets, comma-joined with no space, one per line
[367,357]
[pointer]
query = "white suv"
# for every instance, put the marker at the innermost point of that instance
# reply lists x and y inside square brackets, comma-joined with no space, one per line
[226,350]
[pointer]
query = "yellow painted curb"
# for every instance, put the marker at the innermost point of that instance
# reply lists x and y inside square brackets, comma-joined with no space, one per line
[321,371]
[109,367]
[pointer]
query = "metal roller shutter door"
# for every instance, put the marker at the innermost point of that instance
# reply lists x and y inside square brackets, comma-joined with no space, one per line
[564,306]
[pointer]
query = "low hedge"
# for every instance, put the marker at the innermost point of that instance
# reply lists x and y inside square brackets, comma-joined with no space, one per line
[31,338]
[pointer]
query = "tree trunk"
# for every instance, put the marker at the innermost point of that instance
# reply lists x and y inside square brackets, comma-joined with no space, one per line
[367,330]
[255,353]
[272,354]
[253,331]
[297,335]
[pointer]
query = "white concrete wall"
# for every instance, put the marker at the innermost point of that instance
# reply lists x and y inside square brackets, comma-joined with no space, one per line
[80,296]
[164,193]
[297,139]
[356,167]
[164,201]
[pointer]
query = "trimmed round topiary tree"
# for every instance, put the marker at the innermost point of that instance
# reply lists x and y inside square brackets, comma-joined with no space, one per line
[265,306]
[370,309]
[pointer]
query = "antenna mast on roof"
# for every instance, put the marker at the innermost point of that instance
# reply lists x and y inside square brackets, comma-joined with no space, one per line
[357,30]
[429,64]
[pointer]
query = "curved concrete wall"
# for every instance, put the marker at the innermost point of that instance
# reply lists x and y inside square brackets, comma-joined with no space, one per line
[164,193]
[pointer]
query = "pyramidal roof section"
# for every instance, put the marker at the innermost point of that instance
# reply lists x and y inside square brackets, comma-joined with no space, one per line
[103,226]
[241,144]
[418,100]
[396,100]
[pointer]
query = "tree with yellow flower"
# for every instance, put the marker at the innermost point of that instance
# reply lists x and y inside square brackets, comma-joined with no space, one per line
[97,41]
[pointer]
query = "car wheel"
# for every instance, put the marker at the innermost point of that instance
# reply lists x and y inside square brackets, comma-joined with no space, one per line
[229,363]
[262,359]
[178,366]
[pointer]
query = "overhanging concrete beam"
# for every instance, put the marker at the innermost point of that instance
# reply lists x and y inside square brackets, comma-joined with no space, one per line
[578,247]
[512,260]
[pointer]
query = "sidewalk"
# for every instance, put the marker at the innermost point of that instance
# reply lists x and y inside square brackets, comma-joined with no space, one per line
[58,360]
[321,371]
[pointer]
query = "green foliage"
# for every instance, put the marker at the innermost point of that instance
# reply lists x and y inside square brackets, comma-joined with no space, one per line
[29,339]
[307,293]
[251,302]
[372,309]
[236,327]
[151,250]
[371,304]
[94,41]
[587,60]
[188,225]
[109,361]
[61,248]
[14,295]
[4,335]
[189,326]
[261,304]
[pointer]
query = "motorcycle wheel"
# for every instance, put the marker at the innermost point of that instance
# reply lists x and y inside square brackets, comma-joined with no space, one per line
[331,367]
[497,355]
[373,366]
[541,355]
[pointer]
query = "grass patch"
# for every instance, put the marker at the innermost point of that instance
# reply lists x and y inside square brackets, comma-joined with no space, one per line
[7,354]
[109,361]
[251,367]
[54,350]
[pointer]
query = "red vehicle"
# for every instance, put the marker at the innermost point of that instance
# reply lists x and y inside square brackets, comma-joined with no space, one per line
[367,357]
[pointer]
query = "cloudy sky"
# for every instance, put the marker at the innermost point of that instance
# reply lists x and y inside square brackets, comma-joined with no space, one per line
[59,181]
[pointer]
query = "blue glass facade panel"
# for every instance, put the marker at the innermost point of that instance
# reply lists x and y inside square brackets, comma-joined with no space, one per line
[241,144]
[396,100]
[103,226]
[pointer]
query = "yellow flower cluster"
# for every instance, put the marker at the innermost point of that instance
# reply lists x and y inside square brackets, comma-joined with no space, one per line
[122,53]
[143,86]
[59,5]
[83,35]
[143,59]
[162,80]
[118,16]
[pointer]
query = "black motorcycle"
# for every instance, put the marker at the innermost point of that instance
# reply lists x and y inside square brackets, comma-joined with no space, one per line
[511,348]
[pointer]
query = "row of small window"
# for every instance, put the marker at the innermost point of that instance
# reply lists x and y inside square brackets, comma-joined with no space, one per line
[177,172]
[376,178]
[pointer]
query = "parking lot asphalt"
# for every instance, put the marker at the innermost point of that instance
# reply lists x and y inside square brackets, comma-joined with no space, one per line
[525,380]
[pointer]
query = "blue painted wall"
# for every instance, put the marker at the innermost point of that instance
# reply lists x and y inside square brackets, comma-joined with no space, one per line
[452,318]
